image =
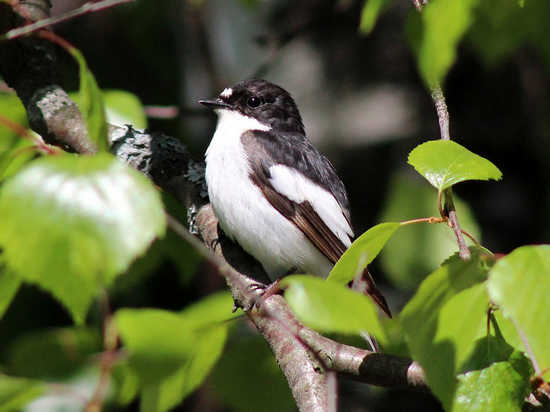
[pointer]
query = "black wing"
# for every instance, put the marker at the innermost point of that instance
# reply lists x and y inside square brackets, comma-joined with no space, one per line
[295,151]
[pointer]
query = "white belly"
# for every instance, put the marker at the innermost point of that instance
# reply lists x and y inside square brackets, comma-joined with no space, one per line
[246,216]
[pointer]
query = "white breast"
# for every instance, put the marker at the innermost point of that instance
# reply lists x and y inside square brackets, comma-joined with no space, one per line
[242,210]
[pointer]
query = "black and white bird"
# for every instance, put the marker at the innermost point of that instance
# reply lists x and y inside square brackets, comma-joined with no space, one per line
[271,190]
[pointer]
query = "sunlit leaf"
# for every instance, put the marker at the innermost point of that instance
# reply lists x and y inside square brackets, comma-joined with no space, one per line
[15,150]
[330,307]
[173,353]
[444,318]
[363,251]
[9,285]
[445,163]
[124,108]
[169,392]
[435,34]
[415,250]
[519,284]
[500,387]
[370,13]
[72,224]
[486,351]
[15,393]
[15,158]
[159,342]
[91,103]
[508,330]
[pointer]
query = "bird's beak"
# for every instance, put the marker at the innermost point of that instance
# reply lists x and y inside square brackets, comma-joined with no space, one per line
[215,104]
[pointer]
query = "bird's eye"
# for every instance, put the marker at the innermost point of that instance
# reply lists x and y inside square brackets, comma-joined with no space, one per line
[253,102]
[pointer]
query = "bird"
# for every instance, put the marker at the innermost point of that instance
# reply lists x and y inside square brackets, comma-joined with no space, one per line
[271,190]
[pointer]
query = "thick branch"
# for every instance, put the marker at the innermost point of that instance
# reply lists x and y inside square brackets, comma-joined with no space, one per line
[28,66]
[243,271]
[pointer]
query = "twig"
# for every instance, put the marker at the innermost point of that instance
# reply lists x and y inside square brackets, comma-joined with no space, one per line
[442,112]
[431,219]
[109,356]
[449,209]
[89,7]
[23,132]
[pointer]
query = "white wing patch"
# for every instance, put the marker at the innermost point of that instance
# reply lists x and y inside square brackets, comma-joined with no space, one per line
[298,188]
[227,92]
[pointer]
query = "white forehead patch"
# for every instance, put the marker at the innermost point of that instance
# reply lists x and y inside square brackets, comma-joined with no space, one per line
[227,92]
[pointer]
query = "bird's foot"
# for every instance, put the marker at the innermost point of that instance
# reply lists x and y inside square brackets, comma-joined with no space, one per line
[265,291]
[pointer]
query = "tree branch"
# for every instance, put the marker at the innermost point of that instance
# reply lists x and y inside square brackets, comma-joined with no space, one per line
[89,7]
[449,209]
[28,66]
[274,319]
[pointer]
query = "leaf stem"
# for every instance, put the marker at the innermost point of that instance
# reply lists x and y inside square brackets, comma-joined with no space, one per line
[431,219]
[471,237]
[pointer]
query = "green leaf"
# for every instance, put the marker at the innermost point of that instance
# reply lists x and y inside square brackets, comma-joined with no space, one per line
[167,393]
[413,252]
[371,10]
[173,353]
[122,107]
[15,158]
[71,224]
[500,387]
[362,252]
[158,342]
[126,382]
[498,32]
[15,393]
[91,103]
[487,350]
[508,331]
[328,307]
[519,284]
[266,387]
[435,34]
[444,318]
[14,149]
[445,163]
[9,285]
[12,109]
[52,354]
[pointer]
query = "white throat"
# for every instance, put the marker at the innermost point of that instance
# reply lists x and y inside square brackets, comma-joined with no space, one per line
[231,125]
